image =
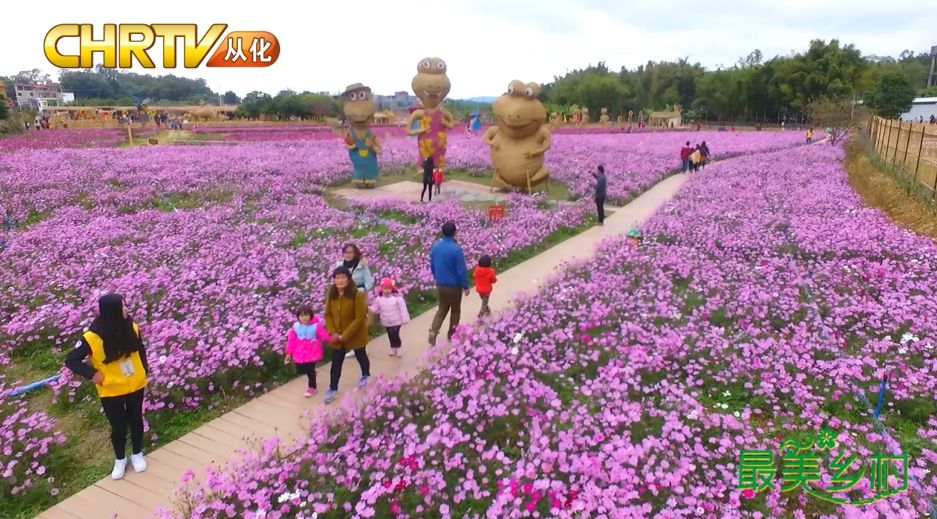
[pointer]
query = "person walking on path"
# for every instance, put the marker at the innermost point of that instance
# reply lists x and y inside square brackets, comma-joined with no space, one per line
[360,272]
[484,279]
[601,193]
[809,135]
[346,315]
[118,369]
[447,263]
[705,150]
[304,345]
[356,264]
[427,179]
[685,153]
[392,309]
[696,158]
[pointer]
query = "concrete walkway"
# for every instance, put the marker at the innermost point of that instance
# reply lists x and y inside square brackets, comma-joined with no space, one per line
[284,411]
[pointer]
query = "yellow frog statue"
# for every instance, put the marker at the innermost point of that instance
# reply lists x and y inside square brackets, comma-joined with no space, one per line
[520,138]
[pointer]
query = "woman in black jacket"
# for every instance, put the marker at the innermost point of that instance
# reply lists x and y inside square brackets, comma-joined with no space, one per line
[427,178]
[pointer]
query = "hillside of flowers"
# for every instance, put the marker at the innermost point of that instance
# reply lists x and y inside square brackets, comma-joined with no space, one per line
[634,162]
[214,246]
[766,300]
[213,286]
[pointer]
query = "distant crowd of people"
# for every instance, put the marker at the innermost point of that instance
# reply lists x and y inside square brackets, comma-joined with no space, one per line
[695,157]
[40,122]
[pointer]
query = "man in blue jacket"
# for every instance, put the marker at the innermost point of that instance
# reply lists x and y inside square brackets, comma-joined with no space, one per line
[447,262]
[601,192]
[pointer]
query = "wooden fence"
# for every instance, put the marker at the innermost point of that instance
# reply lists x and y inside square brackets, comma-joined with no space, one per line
[909,146]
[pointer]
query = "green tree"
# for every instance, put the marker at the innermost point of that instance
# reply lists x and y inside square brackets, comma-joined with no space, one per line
[230,98]
[892,95]
[110,85]
[320,106]
[837,114]
[254,104]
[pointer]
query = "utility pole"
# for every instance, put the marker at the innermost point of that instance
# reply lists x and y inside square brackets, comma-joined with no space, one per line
[932,77]
[852,109]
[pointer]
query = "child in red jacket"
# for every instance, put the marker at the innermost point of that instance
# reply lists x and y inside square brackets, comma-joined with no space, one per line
[484,277]
[437,179]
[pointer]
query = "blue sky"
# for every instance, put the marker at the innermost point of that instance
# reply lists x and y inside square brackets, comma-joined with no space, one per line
[487,43]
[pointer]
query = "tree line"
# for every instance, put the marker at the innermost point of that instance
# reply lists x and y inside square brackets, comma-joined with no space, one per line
[103,86]
[308,105]
[753,89]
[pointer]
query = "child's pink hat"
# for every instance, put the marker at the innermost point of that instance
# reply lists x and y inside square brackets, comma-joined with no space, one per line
[388,283]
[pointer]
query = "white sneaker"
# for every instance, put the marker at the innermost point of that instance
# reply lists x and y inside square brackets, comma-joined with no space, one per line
[139,464]
[120,466]
[350,354]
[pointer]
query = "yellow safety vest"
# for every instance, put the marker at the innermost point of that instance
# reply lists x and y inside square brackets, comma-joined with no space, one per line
[121,377]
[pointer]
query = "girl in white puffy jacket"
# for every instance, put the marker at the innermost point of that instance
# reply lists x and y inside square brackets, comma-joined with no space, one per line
[393,311]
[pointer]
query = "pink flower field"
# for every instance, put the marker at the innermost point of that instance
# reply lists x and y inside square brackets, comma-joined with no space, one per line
[759,310]
[765,280]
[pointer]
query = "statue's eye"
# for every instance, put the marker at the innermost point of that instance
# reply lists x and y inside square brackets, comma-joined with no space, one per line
[441,65]
[353,96]
[427,65]
[529,92]
[511,88]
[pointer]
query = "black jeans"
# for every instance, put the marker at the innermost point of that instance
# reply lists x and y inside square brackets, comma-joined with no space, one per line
[122,411]
[308,369]
[338,358]
[393,333]
[600,207]
[427,186]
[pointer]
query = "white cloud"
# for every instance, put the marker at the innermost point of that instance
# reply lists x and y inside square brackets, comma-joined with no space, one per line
[486,43]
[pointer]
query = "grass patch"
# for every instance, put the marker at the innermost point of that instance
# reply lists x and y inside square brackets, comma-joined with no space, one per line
[141,138]
[890,189]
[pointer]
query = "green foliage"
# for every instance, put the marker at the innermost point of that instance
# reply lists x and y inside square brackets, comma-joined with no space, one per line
[288,104]
[927,92]
[460,110]
[753,89]
[835,114]
[103,84]
[892,95]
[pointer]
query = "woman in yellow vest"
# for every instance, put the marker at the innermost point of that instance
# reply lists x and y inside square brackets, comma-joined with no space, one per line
[118,369]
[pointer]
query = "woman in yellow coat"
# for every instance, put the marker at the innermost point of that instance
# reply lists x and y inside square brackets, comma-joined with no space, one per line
[346,315]
[118,369]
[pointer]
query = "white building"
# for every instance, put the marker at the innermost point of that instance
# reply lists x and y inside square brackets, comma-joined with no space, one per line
[35,96]
[921,107]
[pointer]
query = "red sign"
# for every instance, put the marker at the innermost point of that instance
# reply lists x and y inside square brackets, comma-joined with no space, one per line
[495,212]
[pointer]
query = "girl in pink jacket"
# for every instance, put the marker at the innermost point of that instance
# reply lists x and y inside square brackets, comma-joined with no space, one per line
[304,345]
[393,311]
